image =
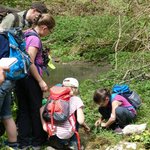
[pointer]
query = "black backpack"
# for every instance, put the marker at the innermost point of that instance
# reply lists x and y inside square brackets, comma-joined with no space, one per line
[4,11]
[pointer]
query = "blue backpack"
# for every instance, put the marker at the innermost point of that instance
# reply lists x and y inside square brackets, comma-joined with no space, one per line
[12,44]
[124,90]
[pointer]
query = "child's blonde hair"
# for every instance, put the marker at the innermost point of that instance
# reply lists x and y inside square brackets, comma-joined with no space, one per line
[75,91]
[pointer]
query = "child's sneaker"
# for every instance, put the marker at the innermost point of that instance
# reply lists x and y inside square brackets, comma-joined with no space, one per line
[11,145]
[118,130]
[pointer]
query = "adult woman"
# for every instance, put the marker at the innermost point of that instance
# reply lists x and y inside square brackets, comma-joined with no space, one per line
[30,90]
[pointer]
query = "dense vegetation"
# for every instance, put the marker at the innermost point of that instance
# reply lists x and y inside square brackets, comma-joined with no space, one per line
[115,31]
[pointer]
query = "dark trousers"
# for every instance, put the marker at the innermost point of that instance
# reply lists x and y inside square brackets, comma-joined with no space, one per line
[123,116]
[62,144]
[29,96]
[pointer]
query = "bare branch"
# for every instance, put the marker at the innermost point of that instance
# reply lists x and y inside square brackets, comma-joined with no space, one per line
[117,43]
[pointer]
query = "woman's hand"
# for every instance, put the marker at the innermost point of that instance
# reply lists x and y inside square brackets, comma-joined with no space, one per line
[43,86]
[98,122]
[45,127]
[2,73]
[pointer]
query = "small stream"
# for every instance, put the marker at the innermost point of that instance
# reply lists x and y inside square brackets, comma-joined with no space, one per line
[80,71]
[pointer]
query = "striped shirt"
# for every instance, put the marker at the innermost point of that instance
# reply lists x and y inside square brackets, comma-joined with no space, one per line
[64,130]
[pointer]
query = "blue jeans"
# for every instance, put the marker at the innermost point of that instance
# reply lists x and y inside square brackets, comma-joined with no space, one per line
[5,99]
[124,116]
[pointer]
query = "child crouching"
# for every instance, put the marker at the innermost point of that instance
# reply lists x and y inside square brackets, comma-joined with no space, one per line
[116,112]
[66,133]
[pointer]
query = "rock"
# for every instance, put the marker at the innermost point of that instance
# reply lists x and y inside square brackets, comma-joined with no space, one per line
[123,146]
[133,128]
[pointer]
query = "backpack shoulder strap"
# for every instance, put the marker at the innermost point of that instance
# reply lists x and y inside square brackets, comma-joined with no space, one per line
[32,33]
[16,21]
[72,121]
[4,45]
[113,96]
[4,33]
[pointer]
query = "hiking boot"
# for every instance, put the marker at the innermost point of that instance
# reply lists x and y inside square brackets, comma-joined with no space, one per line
[11,145]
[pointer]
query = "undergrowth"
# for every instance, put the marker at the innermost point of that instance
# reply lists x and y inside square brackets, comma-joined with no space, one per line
[89,30]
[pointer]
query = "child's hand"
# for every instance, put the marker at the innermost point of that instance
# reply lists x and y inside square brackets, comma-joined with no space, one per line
[44,127]
[98,122]
[86,128]
[2,73]
[103,125]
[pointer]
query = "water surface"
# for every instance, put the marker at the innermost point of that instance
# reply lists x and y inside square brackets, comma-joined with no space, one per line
[80,71]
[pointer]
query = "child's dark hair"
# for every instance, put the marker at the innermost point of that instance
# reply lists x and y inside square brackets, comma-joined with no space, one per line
[100,95]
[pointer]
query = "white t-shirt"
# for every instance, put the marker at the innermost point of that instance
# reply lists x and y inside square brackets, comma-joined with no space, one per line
[64,130]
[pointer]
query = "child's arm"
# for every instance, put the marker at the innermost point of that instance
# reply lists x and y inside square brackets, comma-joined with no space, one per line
[112,118]
[86,127]
[80,116]
[98,122]
[32,51]
[42,120]
[80,119]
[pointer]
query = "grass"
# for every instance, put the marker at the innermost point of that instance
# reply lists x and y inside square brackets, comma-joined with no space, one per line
[82,37]
[93,37]
[141,85]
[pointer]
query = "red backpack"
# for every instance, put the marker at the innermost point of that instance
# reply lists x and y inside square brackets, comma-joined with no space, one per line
[57,110]
[57,107]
